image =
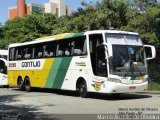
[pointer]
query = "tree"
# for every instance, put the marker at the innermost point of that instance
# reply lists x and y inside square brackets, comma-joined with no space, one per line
[142,16]
[27,29]
[147,25]
[1,30]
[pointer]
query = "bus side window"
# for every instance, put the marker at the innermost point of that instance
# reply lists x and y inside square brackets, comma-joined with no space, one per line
[64,48]
[60,49]
[67,48]
[80,46]
[38,51]
[11,54]
[28,53]
[50,49]
[22,52]
[19,54]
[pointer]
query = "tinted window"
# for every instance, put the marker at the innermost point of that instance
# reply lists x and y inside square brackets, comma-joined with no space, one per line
[28,52]
[80,46]
[19,53]
[75,46]
[11,54]
[38,51]
[50,49]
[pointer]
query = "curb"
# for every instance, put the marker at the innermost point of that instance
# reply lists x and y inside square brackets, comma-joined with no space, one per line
[151,92]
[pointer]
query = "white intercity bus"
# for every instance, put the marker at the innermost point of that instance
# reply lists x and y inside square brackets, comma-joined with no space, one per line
[3,54]
[3,73]
[100,61]
[3,68]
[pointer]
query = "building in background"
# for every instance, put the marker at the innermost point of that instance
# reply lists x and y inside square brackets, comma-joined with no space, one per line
[58,7]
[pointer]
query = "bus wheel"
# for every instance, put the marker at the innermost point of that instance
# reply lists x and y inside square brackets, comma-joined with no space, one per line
[27,84]
[20,84]
[83,89]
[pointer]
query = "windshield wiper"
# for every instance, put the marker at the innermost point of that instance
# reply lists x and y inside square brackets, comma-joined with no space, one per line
[137,69]
[133,69]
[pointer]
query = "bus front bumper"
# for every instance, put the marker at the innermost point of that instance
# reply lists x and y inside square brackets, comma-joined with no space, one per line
[3,79]
[126,88]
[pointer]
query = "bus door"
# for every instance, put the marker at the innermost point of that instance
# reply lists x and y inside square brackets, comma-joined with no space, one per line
[98,61]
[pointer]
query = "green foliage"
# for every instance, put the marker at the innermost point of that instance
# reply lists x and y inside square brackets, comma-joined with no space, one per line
[139,16]
[147,25]
[1,31]
[27,28]
[153,86]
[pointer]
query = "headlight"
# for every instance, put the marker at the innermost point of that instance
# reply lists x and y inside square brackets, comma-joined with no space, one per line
[114,80]
[145,80]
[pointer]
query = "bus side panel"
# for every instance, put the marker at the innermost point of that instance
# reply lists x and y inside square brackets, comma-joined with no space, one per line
[39,77]
[78,68]
[58,72]
[53,72]
[14,74]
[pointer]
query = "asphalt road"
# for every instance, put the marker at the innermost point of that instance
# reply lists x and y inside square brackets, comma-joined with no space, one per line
[62,105]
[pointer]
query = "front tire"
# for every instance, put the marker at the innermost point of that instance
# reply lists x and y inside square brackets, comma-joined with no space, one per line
[27,85]
[83,89]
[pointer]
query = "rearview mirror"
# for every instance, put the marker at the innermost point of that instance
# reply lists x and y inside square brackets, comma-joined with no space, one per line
[150,51]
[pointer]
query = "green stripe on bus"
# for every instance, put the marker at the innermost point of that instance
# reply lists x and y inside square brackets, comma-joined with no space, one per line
[62,72]
[135,77]
[53,72]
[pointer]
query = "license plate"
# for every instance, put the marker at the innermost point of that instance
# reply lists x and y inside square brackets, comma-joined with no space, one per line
[132,87]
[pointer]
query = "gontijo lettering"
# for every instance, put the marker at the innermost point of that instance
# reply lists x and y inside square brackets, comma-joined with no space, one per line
[31,64]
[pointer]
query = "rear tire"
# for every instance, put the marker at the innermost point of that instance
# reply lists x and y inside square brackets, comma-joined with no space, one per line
[83,89]
[20,84]
[27,84]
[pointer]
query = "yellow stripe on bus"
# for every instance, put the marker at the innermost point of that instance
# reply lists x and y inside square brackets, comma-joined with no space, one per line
[41,76]
[56,37]
[45,71]
[38,78]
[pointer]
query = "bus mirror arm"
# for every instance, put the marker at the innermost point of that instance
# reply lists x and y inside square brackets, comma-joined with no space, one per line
[108,50]
[153,51]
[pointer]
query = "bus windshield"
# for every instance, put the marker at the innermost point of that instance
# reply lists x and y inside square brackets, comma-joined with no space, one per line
[127,60]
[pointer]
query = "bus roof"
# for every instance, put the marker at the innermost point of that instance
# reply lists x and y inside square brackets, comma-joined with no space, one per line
[111,31]
[3,52]
[70,35]
[50,38]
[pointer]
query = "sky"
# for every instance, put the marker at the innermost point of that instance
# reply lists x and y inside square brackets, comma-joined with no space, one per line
[5,4]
